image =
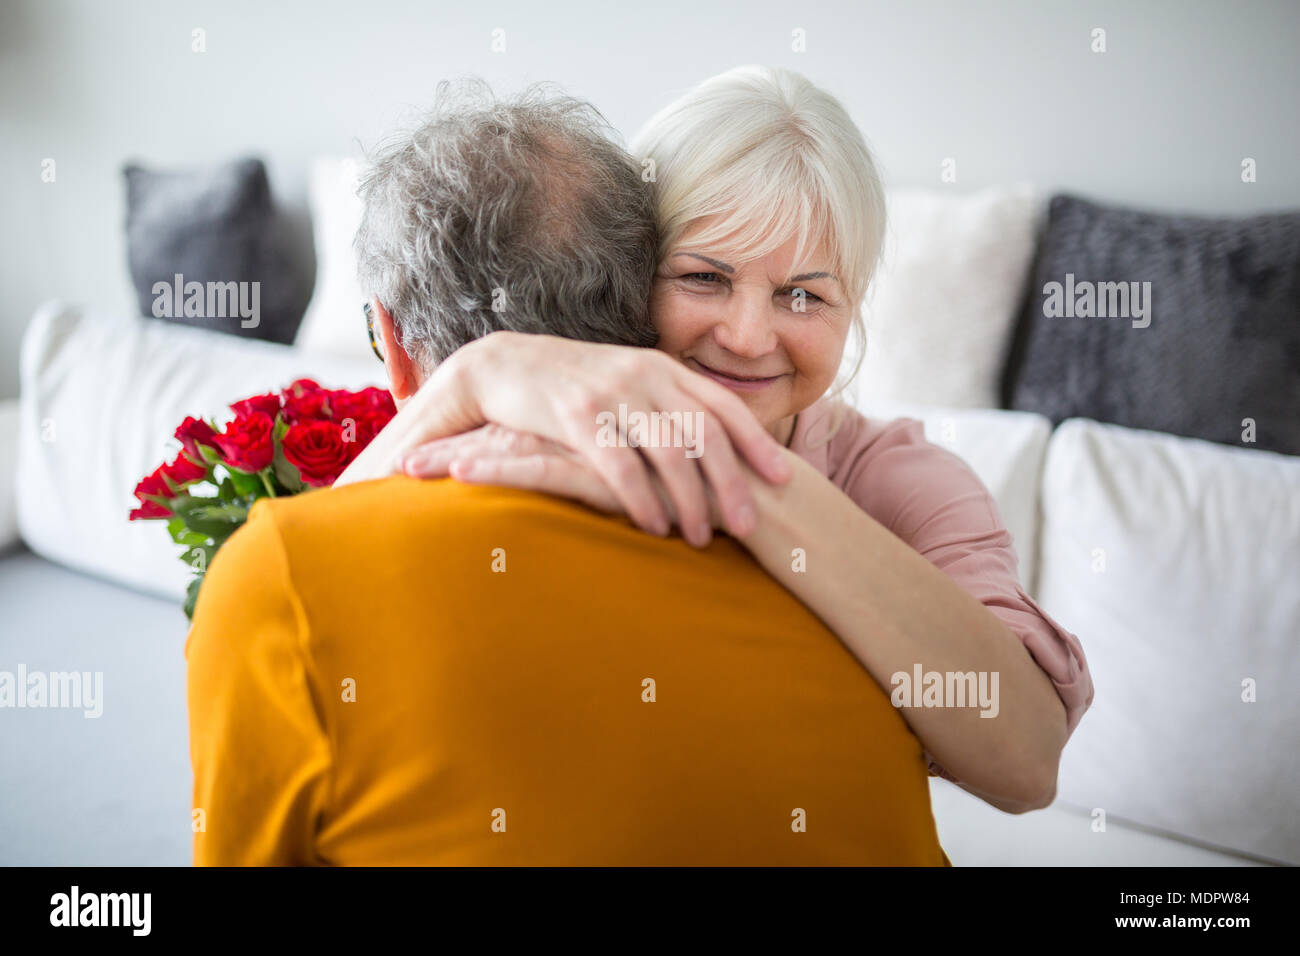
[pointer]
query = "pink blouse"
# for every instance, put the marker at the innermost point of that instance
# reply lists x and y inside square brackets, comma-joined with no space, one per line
[932,500]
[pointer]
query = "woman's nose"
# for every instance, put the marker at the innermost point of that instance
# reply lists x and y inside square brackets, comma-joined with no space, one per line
[747,329]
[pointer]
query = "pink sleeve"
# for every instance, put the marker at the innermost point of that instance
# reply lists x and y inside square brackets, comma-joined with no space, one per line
[931,499]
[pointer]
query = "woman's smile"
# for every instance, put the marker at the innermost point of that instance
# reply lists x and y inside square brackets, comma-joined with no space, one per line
[741,383]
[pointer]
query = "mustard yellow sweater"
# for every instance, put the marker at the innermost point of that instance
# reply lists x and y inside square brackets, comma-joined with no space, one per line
[404,672]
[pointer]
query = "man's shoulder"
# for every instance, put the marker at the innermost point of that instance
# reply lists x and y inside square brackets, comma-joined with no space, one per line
[386,520]
[450,532]
[392,523]
[331,521]
[357,501]
[389,504]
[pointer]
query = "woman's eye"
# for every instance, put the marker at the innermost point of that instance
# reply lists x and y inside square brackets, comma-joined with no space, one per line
[797,292]
[705,277]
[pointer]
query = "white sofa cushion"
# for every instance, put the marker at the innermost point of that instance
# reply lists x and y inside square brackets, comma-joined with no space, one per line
[941,309]
[1005,449]
[1199,590]
[331,323]
[101,397]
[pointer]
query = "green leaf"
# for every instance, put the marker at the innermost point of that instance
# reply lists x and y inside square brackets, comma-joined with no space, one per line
[286,472]
[246,484]
[183,535]
[208,551]
[211,517]
[192,596]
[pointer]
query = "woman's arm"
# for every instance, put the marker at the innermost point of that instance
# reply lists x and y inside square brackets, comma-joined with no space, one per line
[569,392]
[894,610]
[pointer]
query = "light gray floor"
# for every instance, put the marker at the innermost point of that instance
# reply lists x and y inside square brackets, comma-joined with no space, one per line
[109,790]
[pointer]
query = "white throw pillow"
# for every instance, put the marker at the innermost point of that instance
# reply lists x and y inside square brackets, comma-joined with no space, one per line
[1005,449]
[101,397]
[942,307]
[1177,563]
[334,322]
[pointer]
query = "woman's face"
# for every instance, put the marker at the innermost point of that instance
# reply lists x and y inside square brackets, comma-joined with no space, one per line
[740,324]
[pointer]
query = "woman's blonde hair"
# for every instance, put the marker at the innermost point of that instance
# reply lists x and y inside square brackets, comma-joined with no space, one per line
[772,156]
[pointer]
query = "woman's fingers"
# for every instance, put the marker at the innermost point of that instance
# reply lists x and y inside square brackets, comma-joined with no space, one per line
[432,459]
[726,477]
[624,472]
[616,462]
[684,485]
[702,459]
[755,444]
[552,474]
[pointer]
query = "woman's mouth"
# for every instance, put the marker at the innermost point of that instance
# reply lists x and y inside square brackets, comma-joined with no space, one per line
[741,383]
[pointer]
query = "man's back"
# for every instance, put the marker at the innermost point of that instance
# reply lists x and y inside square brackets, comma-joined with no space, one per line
[398,672]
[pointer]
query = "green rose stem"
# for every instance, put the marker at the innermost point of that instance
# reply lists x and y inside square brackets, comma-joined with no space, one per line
[266,483]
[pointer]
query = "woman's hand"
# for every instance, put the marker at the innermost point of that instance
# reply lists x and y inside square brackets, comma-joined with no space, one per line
[561,390]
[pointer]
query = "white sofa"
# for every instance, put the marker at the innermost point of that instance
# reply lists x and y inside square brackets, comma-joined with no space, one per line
[1173,560]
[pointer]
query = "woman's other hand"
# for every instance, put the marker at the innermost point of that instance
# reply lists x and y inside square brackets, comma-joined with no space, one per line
[494,455]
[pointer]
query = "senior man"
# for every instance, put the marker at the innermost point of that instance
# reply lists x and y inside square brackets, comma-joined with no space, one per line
[406,672]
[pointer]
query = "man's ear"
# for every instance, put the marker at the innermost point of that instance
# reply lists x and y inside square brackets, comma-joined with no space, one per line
[404,374]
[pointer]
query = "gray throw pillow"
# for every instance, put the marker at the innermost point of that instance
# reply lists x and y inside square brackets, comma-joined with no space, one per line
[1177,324]
[207,248]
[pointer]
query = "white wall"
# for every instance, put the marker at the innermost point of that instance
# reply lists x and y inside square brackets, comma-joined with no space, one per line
[1010,90]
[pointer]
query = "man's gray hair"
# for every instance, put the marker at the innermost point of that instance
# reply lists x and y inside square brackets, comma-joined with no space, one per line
[519,214]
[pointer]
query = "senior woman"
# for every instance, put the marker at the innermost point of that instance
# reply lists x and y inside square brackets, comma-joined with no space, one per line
[771,218]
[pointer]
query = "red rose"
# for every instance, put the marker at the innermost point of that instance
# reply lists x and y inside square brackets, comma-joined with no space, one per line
[153,485]
[368,401]
[302,386]
[318,451]
[246,443]
[268,404]
[164,482]
[184,472]
[193,433]
[360,432]
[305,407]
[149,509]
[362,415]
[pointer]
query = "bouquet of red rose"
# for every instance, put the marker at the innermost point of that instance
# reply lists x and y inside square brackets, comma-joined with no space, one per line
[277,444]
